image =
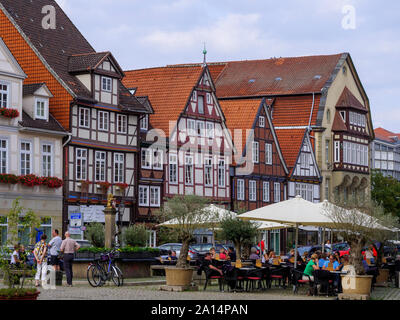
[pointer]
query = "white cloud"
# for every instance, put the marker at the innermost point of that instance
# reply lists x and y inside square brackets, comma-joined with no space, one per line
[230,33]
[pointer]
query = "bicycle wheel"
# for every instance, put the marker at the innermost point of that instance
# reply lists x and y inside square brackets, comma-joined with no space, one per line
[121,276]
[115,276]
[94,276]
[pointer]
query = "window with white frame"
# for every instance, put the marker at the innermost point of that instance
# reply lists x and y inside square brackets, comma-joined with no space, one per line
[200,128]
[252,190]
[146,158]
[47,160]
[143,196]
[210,130]
[144,122]
[122,123]
[41,109]
[191,127]
[100,166]
[189,170]
[3,156]
[209,99]
[240,189]
[268,153]
[106,84]
[84,117]
[119,164]
[4,95]
[255,150]
[277,192]
[261,122]
[337,151]
[154,196]
[221,173]
[200,104]
[173,168]
[81,164]
[25,157]
[157,159]
[208,171]
[305,191]
[194,97]
[266,191]
[103,120]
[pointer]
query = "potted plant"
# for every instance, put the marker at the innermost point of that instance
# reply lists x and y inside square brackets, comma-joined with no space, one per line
[16,277]
[187,213]
[52,182]
[121,187]
[359,223]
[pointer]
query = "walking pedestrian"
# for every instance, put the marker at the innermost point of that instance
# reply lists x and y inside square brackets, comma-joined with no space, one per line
[68,248]
[40,253]
[55,246]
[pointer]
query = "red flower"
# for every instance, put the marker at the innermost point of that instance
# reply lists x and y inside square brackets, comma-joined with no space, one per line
[105,185]
[9,113]
[9,178]
[53,182]
[30,180]
[122,186]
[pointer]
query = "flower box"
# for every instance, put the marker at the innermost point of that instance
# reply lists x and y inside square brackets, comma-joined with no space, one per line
[9,113]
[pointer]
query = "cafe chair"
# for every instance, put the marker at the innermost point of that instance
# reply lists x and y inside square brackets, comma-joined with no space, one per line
[212,275]
[323,283]
[298,281]
[253,278]
[277,275]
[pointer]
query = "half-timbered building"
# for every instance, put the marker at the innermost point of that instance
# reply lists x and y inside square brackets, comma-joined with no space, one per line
[89,101]
[187,139]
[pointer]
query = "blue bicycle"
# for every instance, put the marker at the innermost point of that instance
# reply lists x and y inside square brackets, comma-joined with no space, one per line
[102,270]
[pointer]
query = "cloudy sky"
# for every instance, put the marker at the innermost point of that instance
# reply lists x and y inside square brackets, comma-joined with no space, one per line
[152,33]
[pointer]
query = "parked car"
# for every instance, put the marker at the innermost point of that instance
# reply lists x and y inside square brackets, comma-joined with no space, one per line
[343,248]
[303,249]
[203,248]
[193,253]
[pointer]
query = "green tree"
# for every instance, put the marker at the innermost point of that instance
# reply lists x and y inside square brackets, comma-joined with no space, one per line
[240,232]
[135,235]
[188,213]
[386,192]
[95,234]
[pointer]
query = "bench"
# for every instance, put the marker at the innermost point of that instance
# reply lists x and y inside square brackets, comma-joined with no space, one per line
[156,267]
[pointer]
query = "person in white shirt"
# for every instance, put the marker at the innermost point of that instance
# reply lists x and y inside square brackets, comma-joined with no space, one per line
[55,246]
[15,256]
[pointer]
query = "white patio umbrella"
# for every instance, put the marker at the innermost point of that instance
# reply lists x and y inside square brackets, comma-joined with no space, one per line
[211,220]
[293,212]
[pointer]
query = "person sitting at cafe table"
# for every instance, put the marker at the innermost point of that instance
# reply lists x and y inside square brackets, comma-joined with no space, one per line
[331,264]
[304,257]
[253,254]
[231,254]
[369,254]
[370,270]
[310,267]
[271,257]
[172,255]
[213,253]
[222,254]
[322,259]
[209,263]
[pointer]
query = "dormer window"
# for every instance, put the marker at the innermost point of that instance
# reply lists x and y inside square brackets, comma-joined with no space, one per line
[41,108]
[106,84]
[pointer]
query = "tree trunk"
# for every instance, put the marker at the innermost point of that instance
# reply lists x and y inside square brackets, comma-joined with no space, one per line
[238,250]
[356,257]
[182,260]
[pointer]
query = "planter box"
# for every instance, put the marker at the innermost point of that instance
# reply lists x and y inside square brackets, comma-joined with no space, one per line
[33,296]
[360,285]
[178,276]
[383,277]
[85,255]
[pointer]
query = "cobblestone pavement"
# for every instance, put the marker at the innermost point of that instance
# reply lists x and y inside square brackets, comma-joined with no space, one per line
[84,292]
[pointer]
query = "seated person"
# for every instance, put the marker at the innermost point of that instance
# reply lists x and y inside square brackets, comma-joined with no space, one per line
[209,266]
[372,271]
[271,257]
[304,257]
[222,254]
[310,267]
[369,254]
[213,253]
[322,260]
[332,261]
[172,255]
[253,254]
[231,254]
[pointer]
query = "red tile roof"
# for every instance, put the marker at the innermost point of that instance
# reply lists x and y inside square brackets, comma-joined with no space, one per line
[240,114]
[295,110]
[347,99]
[168,89]
[290,142]
[386,135]
[278,76]
[338,123]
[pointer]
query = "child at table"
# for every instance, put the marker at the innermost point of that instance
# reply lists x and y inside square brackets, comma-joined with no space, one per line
[222,254]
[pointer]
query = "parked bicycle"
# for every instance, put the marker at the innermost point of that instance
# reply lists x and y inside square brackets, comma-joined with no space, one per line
[104,269]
